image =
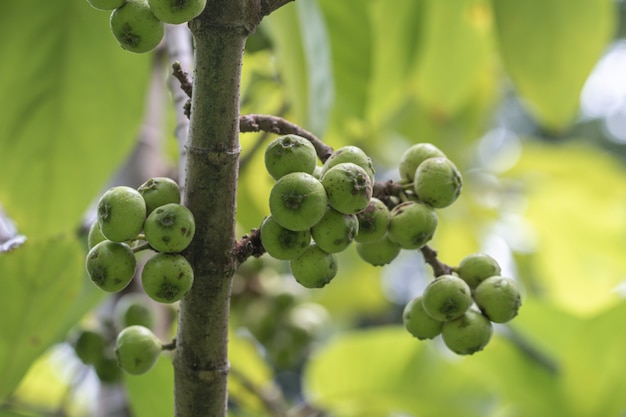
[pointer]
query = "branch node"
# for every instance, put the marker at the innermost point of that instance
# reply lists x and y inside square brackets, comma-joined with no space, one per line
[430,256]
[280,126]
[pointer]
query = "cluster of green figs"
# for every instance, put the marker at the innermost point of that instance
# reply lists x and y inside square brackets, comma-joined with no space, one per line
[149,218]
[462,306]
[317,211]
[138,25]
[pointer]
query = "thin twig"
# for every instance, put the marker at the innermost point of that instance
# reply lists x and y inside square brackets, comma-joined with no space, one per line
[183,78]
[249,245]
[280,126]
[430,256]
[531,351]
[171,345]
[245,159]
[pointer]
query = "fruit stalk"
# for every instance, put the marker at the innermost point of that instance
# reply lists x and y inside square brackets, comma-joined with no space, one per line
[201,362]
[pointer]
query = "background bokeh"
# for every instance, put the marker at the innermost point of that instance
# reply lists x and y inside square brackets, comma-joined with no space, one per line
[527,98]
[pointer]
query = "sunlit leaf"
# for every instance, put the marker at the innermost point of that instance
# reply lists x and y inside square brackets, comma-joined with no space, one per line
[594,365]
[549,49]
[350,42]
[525,368]
[379,372]
[394,43]
[72,101]
[575,205]
[41,281]
[454,51]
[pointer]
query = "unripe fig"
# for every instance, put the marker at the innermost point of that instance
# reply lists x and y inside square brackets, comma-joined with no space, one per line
[167,277]
[135,27]
[137,349]
[89,346]
[297,201]
[437,182]
[133,309]
[348,186]
[108,370]
[170,228]
[446,298]
[476,268]
[412,224]
[335,231]
[95,236]
[314,268]
[373,221]
[414,156]
[176,11]
[351,154]
[121,213]
[290,153]
[111,265]
[158,192]
[467,334]
[498,298]
[106,4]
[281,243]
[418,322]
[378,252]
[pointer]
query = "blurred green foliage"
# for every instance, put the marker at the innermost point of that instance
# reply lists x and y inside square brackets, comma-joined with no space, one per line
[379,75]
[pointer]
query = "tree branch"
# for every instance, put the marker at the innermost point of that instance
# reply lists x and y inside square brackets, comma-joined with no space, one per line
[268,6]
[280,126]
[430,256]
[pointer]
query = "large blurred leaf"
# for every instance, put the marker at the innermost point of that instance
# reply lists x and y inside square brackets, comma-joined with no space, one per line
[595,365]
[303,57]
[549,49]
[381,372]
[71,102]
[41,280]
[525,369]
[350,41]
[394,43]
[454,52]
[576,202]
[250,373]
[152,394]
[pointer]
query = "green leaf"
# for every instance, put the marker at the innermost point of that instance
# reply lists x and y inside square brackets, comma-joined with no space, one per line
[303,56]
[525,368]
[8,413]
[453,54]
[577,219]
[41,281]
[394,42]
[549,49]
[72,103]
[595,364]
[152,394]
[379,372]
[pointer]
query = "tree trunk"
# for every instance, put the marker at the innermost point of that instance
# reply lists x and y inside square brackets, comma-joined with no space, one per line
[201,361]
